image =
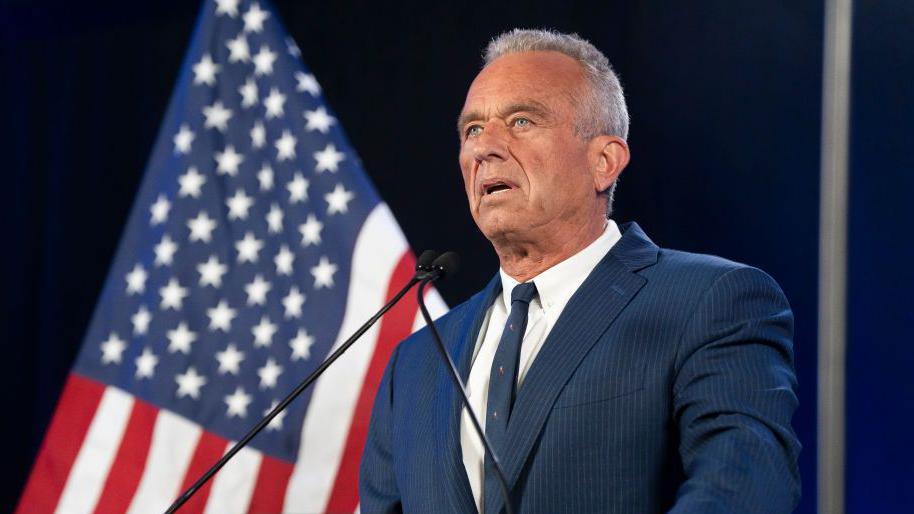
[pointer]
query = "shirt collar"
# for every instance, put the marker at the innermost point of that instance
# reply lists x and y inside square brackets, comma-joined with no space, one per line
[560,281]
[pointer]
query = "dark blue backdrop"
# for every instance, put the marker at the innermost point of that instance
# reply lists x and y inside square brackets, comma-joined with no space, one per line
[880,357]
[725,104]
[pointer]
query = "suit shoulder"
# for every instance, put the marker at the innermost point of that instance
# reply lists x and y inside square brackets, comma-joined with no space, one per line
[702,271]
[698,262]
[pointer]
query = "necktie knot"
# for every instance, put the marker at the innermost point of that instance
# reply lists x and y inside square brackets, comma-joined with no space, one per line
[523,292]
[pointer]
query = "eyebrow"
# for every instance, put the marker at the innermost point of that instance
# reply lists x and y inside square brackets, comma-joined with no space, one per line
[532,106]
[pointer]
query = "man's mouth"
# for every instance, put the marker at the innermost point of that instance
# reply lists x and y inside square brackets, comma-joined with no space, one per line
[495,187]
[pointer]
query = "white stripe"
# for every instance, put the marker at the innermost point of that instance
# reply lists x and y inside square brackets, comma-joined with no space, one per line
[436,308]
[233,486]
[379,247]
[87,477]
[174,439]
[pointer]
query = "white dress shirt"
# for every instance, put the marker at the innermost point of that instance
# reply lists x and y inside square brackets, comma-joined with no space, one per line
[554,287]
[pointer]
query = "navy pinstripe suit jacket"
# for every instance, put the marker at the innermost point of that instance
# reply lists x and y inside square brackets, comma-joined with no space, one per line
[667,384]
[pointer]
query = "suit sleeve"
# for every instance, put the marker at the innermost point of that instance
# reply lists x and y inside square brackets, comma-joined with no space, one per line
[378,492]
[734,395]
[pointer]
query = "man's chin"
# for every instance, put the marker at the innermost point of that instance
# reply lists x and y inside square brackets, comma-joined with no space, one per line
[499,226]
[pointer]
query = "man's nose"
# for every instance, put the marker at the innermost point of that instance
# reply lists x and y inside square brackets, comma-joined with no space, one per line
[492,143]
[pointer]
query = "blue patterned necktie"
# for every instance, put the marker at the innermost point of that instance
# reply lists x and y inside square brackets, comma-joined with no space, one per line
[503,377]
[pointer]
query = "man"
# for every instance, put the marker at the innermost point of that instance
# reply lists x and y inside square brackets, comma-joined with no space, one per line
[610,375]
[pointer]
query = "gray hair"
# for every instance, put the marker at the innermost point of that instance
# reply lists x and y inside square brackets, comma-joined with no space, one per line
[602,111]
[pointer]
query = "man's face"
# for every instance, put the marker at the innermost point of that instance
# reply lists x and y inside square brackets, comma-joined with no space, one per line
[527,174]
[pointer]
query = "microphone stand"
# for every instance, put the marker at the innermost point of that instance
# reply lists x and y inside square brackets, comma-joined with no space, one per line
[422,269]
[439,270]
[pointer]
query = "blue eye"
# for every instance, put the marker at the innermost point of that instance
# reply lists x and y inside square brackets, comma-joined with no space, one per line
[473,130]
[522,122]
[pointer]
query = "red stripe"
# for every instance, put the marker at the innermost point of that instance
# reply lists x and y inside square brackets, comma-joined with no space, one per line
[396,324]
[209,449]
[270,488]
[75,410]
[129,462]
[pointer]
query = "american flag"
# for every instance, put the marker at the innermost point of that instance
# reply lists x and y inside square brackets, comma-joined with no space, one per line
[256,245]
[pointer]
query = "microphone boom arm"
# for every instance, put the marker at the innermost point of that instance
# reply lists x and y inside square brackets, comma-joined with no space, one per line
[455,377]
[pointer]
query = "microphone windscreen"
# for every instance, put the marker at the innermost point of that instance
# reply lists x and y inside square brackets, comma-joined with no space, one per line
[448,263]
[424,263]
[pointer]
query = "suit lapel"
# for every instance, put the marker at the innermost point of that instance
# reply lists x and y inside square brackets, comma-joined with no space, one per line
[591,310]
[460,344]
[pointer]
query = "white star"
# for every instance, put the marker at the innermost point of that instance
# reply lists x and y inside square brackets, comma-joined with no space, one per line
[211,272]
[238,205]
[263,61]
[265,177]
[248,248]
[292,302]
[238,49]
[146,363]
[269,373]
[237,403]
[328,159]
[298,188]
[307,82]
[319,120]
[220,317]
[136,279]
[229,7]
[191,183]
[310,231]
[180,339]
[284,261]
[323,273]
[263,332]
[276,423]
[274,103]
[338,200]
[274,219]
[217,116]
[201,227]
[301,345]
[141,320]
[248,92]
[159,210]
[258,135]
[285,146]
[228,161]
[230,360]
[172,295]
[257,291]
[292,48]
[165,251]
[205,71]
[254,18]
[112,348]
[183,139]
[189,383]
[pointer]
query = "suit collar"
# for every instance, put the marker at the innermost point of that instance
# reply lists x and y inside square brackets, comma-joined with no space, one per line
[635,250]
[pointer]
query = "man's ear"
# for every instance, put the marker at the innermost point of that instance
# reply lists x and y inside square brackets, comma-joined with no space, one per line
[611,157]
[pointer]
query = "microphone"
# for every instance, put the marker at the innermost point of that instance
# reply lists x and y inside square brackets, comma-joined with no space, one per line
[444,266]
[425,261]
[425,266]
